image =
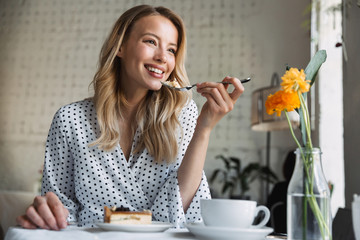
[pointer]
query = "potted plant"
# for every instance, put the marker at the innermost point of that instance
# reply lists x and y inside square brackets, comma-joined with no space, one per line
[236,178]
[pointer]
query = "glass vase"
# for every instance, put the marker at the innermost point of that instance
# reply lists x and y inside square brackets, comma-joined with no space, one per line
[308,208]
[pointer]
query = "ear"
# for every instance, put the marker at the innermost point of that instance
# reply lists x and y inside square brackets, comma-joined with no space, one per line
[119,53]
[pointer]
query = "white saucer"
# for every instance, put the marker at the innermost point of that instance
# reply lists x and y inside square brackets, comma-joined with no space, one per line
[215,233]
[153,227]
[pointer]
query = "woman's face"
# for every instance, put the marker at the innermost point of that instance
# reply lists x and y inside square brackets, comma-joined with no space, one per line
[148,55]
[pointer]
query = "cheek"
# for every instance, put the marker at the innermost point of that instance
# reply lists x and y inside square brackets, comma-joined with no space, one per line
[143,51]
[171,63]
[138,54]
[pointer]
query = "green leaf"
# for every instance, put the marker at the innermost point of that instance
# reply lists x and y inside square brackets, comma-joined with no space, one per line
[255,176]
[237,163]
[314,65]
[251,167]
[226,162]
[311,71]
[227,185]
[244,186]
[214,175]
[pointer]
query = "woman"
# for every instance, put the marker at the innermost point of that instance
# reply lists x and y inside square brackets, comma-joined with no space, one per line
[135,143]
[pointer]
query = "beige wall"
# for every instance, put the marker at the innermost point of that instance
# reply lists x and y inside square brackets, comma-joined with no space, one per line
[49,52]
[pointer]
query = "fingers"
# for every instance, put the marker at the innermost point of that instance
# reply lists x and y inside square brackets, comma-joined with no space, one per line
[34,217]
[46,212]
[25,222]
[57,208]
[238,87]
[219,101]
[219,93]
[42,207]
[234,95]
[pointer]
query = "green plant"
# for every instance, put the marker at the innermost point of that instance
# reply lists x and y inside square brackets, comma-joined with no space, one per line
[292,96]
[236,177]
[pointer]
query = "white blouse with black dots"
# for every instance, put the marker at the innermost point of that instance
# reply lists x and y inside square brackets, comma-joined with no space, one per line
[86,178]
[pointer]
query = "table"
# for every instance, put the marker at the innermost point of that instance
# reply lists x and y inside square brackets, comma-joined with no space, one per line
[78,233]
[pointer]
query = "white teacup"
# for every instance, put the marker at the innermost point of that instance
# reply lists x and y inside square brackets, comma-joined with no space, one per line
[356,216]
[232,213]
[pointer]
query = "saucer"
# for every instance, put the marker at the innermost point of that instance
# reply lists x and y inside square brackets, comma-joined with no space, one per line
[215,233]
[153,227]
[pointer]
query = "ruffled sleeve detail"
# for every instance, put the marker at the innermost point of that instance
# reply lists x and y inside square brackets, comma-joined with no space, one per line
[168,206]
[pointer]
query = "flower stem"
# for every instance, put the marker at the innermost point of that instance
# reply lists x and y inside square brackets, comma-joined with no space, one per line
[309,195]
[292,132]
[293,135]
[305,112]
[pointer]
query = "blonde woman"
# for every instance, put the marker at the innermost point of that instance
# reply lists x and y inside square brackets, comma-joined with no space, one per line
[136,143]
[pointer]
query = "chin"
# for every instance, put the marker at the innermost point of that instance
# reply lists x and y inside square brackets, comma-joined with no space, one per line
[155,86]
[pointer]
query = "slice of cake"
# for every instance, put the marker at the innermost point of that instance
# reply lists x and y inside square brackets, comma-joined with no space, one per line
[125,216]
[173,83]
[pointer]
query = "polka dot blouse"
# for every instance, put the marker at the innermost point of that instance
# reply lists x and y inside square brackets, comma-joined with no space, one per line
[87,178]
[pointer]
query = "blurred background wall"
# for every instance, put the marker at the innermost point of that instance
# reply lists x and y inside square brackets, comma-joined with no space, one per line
[351,69]
[49,52]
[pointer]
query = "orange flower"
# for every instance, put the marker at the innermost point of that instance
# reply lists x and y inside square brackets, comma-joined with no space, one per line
[294,80]
[281,101]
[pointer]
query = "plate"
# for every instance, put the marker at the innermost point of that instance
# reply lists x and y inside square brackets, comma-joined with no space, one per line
[215,233]
[153,227]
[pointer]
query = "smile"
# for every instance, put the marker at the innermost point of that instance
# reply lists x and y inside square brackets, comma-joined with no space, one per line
[155,70]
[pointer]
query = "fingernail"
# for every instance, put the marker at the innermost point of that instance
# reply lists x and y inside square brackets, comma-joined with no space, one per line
[63,224]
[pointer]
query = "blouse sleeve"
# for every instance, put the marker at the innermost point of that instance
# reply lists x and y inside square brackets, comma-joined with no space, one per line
[58,174]
[168,206]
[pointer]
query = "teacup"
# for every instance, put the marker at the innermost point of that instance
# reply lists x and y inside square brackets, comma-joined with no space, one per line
[232,213]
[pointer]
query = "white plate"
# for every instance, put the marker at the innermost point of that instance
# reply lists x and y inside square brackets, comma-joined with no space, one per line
[153,227]
[215,233]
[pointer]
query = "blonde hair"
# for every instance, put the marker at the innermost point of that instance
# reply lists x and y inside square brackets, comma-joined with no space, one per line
[157,114]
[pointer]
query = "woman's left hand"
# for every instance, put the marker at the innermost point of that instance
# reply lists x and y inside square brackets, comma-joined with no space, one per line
[219,101]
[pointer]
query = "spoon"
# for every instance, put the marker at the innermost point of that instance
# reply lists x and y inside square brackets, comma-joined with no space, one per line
[190,87]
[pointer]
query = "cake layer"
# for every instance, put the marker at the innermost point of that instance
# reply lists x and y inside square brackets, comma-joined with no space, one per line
[126,217]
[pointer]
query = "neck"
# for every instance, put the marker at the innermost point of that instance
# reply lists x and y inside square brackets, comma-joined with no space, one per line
[129,111]
[133,95]
[133,99]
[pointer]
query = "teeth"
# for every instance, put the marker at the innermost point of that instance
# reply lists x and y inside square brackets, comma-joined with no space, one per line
[155,70]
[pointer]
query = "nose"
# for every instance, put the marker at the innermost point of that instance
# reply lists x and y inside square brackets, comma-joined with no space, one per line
[160,55]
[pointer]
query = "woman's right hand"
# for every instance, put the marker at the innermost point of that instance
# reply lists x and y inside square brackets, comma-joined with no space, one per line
[46,212]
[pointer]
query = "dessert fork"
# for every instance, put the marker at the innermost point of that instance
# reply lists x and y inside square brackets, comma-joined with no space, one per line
[186,88]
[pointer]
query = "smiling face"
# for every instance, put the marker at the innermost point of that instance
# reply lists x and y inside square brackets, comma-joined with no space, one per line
[148,54]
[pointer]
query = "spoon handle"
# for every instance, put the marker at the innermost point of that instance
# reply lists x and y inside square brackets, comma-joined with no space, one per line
[242,81]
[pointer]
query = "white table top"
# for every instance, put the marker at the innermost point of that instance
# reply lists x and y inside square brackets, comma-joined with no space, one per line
[77,233]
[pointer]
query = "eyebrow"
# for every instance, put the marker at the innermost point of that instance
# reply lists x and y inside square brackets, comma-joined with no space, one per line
[155,36]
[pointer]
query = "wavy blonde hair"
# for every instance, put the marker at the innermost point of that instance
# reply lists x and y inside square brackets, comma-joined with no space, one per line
[157,114]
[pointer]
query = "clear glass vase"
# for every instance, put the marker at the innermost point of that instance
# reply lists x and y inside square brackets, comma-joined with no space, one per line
[308,207]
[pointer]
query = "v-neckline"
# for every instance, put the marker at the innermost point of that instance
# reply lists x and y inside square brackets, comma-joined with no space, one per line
[133,142]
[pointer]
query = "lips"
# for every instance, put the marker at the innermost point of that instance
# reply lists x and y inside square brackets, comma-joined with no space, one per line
[154,69]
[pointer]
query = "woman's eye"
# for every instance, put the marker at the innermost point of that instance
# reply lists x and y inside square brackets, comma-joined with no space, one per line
[150,41]
[173,51]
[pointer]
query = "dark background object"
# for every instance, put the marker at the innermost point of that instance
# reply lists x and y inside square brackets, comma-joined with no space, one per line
[342,225]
